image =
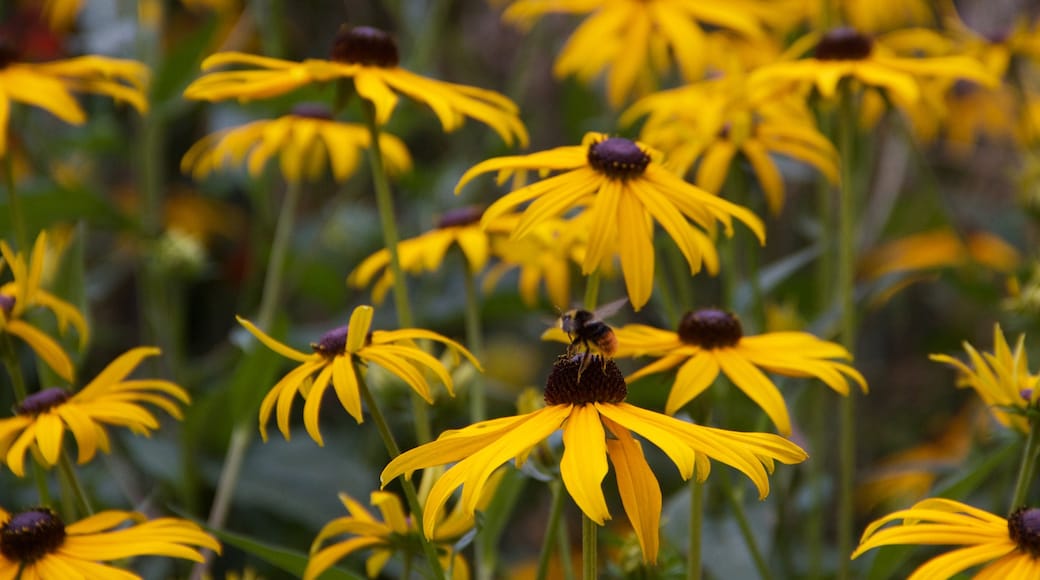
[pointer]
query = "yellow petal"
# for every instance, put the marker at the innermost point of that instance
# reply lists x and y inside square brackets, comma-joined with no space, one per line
[638,487]
[584,463]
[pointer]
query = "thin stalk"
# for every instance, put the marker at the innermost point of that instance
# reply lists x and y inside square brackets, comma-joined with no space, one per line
[394,450]
[21,237]
[847,204]
[564,541]
[475,342]
[694,565]
[588,548]
[40,479]
[745,531]
[14,370]
[69,474]
[385,202]
[592,290]
[552,529]
[1027,469]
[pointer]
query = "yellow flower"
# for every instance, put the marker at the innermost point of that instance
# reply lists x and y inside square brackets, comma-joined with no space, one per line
[24,293]
[60,14]
[333,358]
[880,15]
[304,141]
[844,53]
[49,85]
[638,40]
[625,189]
[1001,379]
[711,341]
[36,545]
[1010,546]
[109,399]
[939,248]
[369,57]
[715,121]
[596,424]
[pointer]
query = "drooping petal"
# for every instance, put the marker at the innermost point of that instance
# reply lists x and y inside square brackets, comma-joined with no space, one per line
[638,487]
[584,463]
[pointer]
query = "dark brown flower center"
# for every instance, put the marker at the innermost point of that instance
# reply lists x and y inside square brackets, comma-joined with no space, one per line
[460,216]
[618,158]
[364,45]
[844,44]
[31,535]
[312,111]
[332,343]
[599,383]
[1024,529]
[6,304]
[42,401]
[710,328]
[8,52]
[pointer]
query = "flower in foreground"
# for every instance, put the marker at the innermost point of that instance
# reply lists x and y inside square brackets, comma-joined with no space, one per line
[50,85]
[1010,547]
[369,57]
[36,545]
[625,189]
[710,341]
[109,399]
[333,359]
[597,424]
[1001,379]
[23,293]
[305,141]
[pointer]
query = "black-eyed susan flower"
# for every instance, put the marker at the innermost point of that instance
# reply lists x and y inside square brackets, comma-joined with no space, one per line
[845,53]
[639,41]
[1001,379]
[1009,547]
[368,57]
[333,358]
[304,142]
[60,14]
[625,189]
[24,293]
[597,424]
[710,341]
[109,400]
[50,85]
[36,544]
[939,248]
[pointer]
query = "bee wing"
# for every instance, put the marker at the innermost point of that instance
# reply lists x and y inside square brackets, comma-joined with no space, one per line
[610,308]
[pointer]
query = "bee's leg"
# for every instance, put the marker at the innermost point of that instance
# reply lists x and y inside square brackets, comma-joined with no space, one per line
[572,348]
[585,360]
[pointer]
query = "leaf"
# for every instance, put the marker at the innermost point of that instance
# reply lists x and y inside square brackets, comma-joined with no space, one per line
[292,561]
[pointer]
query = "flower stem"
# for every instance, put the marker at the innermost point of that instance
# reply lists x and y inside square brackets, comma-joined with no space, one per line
[588,548]
[475,341]
[14,370]
[592,290]
[1028,467]
[745,530]
[385,201]
[393,449]
[69,474]
[551,530]
[21,237]
[694,565]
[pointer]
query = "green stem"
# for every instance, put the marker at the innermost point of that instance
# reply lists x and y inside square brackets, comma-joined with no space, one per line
[745,530]
[475,341]
[592,290]
[69,473]
[564,540]
[385,202]
[847,203]
[394,450]
[40,479]
[818,437]
[1027,469]
[21,237]
[694,565]
[588,548]
[14,370]
[551,530]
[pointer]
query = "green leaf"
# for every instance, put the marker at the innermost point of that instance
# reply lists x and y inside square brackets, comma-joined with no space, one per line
[292,561]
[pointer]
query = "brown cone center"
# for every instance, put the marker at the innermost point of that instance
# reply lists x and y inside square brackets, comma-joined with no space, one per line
[599,383]
[1024,529]
[364,45]
[618,158]
[6,304]
[844,44]
[710,328]
[42,401]
[460,216]
[31,535]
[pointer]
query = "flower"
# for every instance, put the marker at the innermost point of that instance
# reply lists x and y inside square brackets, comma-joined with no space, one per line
[60,14]
[49,85]
[24,293]
[1011,546]
[369,57]
[847,53]
[333,357]
[624,187]
[109,399]
[716,120]
[942,247]
[710,340]
[304,141]
[637,39]
[1001,379]
[596,424]
[36,544]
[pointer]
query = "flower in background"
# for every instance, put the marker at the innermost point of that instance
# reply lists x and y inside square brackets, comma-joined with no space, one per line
[50,85]
[60,14]
[716,121]
[883,15]
[24,293]
[638,40]
[369,57]
[1009,547]
[333,359]
[939,248]
[110,399]
[597,424]
[1001,379]
[710,341]
[625,189]
[36,543]
[304,141]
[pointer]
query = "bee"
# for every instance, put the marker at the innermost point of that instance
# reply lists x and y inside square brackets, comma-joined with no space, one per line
[587,329]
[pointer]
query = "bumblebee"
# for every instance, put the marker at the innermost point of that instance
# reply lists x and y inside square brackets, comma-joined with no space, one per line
[587,329]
